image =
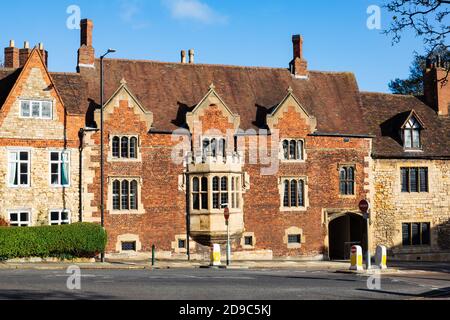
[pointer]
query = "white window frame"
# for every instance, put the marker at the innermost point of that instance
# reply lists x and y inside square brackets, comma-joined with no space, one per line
[18,186]
[41,102]
[59,163]
[18,212]
[60,220]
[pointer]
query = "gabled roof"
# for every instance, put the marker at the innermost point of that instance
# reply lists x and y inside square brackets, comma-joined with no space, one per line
[34,54]
[414,115]
[171,90]
[386,113]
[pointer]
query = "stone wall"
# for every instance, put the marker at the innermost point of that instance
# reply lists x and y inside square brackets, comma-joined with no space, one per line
[391,207]
[39,137]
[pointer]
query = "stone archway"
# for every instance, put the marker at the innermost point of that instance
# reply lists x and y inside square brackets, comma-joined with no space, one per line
[344,230]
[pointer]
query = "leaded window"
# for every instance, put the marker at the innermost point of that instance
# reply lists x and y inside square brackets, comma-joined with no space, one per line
[347,180]
[293,149]
[414,180]
[294,193]
[124,147]
[412,134]
[125,195]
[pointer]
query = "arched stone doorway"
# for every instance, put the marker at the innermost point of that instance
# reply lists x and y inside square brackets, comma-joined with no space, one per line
[344,231]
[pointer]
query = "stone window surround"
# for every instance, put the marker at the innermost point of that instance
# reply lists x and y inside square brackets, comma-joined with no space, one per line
[210,177]
[183,237]
[281,151]
[40,100]
[18,211]
[293,231]
[110,144]
[128,238]
[245,235]
[281,191]
[355,184]
[140,210]
[19,149]
[50,151]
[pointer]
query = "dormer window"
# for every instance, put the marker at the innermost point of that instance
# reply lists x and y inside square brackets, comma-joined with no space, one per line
[411,133]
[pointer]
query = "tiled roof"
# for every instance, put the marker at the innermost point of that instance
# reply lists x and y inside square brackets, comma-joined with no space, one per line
[385,114]
[8,78]
[169,90]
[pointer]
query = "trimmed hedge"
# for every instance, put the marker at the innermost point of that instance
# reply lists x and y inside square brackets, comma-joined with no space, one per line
[78,240]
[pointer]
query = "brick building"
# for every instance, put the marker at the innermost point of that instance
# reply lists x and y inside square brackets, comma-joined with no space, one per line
[289,151]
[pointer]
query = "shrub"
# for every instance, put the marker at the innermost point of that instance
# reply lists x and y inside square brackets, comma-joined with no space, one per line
[80,240]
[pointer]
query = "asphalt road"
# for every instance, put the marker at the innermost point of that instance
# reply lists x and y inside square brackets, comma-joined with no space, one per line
[209,284]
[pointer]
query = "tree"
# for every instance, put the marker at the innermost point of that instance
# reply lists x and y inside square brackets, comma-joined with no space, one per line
[428,19]
[413,85]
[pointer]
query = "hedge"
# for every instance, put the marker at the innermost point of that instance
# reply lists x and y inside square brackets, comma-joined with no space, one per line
[78,240]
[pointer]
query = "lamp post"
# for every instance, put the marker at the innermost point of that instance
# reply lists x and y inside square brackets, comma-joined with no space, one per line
[102,172]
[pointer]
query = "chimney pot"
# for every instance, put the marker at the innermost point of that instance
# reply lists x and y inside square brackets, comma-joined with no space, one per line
[183,56]
[26,45]
[11,44]
[191,56]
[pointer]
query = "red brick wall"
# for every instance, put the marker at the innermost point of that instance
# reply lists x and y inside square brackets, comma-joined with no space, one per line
[165,205]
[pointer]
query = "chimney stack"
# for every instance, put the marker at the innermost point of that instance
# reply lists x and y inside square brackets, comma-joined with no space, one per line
[24,53]
[43,53]
[191,56]
[12,56]
[298,66]
[436,89]
[183,56]
[86,53]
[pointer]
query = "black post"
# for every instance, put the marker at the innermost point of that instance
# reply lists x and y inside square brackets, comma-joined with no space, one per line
[102,172]
[102,177]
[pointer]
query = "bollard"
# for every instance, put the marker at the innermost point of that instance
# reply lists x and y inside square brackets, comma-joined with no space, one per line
[381,257]
[356,258]
[153,255]
[216,256]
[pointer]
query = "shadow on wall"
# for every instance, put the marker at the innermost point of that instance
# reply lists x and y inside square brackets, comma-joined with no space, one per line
[422,243]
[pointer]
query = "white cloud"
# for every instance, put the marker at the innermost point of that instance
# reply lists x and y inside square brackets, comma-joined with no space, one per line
[130,11]
[194,10]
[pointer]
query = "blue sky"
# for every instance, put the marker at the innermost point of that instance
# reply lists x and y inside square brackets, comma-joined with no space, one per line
[250,32]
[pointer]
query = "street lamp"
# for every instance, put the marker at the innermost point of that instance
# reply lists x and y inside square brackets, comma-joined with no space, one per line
[102,173]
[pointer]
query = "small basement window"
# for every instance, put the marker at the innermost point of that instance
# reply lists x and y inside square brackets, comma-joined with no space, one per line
[129,246]
[248,241]
[294,239]
[181,244]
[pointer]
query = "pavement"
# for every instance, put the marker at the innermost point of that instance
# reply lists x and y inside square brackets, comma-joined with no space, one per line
[219,284]
[257,280]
